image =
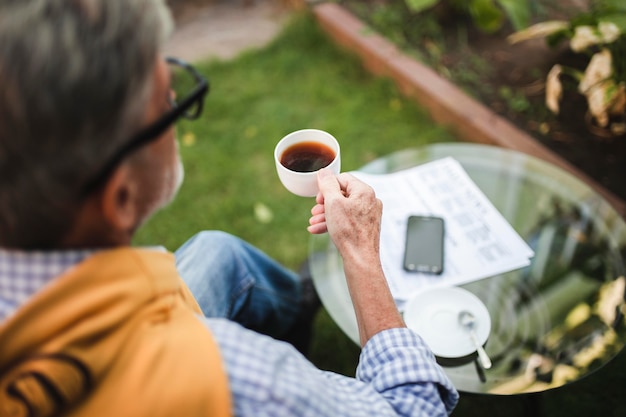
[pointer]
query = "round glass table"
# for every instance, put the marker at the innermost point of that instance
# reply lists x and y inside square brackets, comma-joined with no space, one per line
[553,322]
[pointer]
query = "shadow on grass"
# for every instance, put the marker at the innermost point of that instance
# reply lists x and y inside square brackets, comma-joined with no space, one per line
[331,349]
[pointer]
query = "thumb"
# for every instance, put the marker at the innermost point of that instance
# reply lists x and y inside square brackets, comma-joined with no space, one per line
[327,182]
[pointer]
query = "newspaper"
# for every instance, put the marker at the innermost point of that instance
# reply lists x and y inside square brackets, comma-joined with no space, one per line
[479,242]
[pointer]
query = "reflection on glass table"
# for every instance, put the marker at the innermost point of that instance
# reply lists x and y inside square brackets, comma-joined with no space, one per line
[553,322]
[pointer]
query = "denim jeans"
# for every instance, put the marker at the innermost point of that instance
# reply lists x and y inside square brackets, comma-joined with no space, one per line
[232,279]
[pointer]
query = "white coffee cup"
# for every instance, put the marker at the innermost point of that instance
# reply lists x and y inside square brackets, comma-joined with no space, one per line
[302,180]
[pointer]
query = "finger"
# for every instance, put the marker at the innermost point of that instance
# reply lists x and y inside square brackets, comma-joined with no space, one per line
[319,198]
[345,180]
[317,229]
[317,209]
[320,218]
[327,182]
[350,184]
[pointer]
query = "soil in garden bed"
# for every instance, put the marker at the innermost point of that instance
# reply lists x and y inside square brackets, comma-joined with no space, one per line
[509,79]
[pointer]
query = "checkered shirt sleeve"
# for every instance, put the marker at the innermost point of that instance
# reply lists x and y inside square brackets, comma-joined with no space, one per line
[396,376]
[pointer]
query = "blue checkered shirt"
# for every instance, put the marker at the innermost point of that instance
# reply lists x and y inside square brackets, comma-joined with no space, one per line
[396,376]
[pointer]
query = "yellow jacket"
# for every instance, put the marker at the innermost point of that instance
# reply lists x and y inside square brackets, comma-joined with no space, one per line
[117,335]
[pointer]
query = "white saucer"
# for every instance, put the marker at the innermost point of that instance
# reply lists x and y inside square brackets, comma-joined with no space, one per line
[433,314]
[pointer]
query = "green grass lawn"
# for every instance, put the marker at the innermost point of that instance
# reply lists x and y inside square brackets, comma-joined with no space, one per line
[299,81]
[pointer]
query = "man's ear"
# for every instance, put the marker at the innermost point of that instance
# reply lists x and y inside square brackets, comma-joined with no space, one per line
[119,199]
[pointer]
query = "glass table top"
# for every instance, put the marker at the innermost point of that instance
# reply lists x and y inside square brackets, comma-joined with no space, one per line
[553,322]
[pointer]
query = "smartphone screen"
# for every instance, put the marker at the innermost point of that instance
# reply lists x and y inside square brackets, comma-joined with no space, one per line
[424,244]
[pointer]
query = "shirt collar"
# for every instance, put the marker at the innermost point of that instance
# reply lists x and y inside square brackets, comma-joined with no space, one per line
[23,273]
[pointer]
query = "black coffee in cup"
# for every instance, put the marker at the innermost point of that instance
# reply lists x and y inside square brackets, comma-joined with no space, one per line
[307,156]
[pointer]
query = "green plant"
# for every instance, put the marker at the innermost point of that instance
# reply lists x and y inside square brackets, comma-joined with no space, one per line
[599,34]
[487,15]
[515,100]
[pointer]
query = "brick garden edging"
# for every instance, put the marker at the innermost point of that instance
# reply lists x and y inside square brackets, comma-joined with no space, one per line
[446,103]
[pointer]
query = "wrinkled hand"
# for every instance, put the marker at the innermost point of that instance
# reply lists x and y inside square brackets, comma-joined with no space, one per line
[348,210]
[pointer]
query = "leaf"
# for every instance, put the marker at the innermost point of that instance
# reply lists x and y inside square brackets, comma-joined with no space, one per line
[584,37]
[598,87]
[262,213]
[599,101]
[599,69]
[618,19]
[539,30]
[609,32]
[420,5]
[487,16]
[517,11]
[554,89]
[188,139]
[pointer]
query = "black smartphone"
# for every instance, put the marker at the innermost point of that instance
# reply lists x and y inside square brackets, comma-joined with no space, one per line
[424,244]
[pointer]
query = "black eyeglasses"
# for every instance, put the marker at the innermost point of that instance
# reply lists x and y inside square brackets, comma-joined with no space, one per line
[186,82]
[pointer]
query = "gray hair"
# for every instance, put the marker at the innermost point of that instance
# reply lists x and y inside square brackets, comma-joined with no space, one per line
[74,84]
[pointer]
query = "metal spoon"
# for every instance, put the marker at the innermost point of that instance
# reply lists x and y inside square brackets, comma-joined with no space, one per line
[468,322]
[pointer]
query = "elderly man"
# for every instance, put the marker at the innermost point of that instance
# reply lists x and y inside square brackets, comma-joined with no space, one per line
[92,326]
